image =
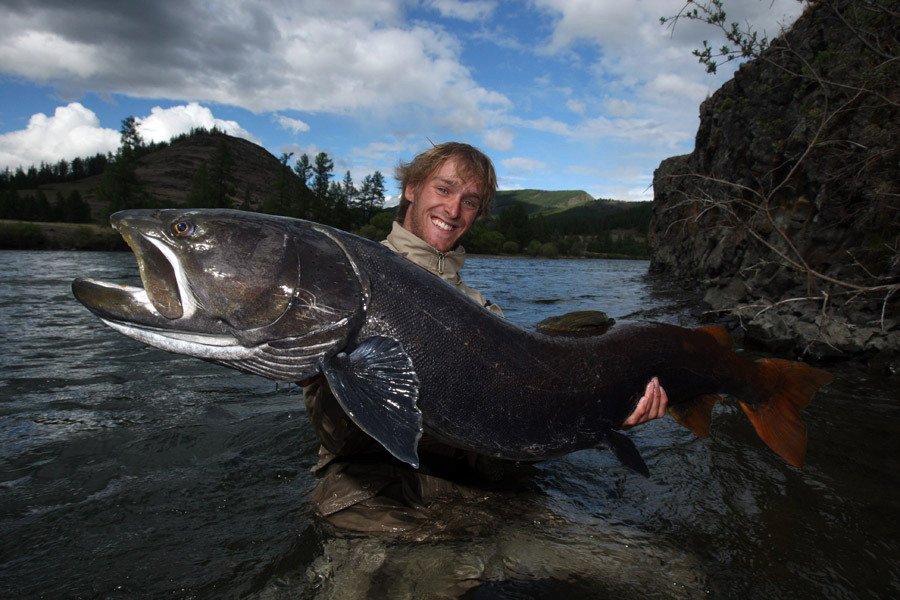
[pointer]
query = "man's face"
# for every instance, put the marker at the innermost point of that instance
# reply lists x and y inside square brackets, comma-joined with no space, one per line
[443,208]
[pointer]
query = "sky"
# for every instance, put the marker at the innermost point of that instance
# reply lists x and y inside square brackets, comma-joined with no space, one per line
[562,94]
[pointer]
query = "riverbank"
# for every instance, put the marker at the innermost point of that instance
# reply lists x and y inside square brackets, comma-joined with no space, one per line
[36,235]
[31,235]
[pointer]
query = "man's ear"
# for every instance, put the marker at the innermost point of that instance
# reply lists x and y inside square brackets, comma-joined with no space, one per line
[409,192]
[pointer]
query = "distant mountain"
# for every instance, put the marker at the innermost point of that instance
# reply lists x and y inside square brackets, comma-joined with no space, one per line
[167,174]
[603,215]
[541,201]
[576,211]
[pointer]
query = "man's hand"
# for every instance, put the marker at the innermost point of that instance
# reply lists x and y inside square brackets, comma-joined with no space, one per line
[651,406]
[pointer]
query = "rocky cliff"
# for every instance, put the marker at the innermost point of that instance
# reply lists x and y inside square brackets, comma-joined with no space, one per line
[786,211]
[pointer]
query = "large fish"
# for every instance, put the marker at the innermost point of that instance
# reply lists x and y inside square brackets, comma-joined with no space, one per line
[406,353]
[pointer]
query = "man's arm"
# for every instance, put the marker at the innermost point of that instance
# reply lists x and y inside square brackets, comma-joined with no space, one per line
[652,405]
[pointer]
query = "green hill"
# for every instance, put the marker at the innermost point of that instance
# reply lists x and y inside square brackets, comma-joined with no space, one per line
[540,201]
[603,215]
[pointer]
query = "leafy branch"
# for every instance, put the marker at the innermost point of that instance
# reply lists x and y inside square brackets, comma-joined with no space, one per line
[742,42]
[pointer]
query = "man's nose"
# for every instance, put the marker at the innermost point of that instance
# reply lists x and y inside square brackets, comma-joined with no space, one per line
[452,206]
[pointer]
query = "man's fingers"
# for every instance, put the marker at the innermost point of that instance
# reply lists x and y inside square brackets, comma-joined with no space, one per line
[663,401]
[639,415]
[652,405]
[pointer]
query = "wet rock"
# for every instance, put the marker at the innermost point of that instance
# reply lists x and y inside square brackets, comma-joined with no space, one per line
[730,294]
[786,328]
[577,323]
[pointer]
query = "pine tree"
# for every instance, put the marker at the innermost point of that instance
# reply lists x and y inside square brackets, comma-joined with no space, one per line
[303,169]
[322,177]
[119,188]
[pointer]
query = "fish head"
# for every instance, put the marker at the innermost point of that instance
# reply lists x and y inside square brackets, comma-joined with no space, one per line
[260,293]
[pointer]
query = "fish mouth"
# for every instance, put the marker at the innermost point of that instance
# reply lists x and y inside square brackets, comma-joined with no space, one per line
[162,313]
[160,272]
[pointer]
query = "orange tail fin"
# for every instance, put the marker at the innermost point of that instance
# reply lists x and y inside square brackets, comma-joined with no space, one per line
[696,414]
[788,387]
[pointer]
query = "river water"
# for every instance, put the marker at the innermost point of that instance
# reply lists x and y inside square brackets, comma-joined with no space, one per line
[128,472]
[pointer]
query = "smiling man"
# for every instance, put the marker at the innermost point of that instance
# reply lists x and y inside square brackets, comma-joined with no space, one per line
[444,190]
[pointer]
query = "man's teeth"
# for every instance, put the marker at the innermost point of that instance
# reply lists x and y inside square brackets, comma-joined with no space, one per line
[441,225]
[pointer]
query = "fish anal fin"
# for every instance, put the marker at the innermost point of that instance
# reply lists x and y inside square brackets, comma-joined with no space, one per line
[789,387]
[721,335]
[696,413]
[626,452]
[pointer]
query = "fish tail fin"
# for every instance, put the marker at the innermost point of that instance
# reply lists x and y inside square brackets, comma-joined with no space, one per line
[696,414]
[786,388]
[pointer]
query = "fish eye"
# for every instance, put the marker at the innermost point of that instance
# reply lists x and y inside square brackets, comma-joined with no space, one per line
[182,228]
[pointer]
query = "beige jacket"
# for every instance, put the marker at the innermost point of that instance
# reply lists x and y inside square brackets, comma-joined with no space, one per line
[445,265]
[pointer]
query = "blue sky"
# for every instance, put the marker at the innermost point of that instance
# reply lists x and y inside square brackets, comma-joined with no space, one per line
[562,94]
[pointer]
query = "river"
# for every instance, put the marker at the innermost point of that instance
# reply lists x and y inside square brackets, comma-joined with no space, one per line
[128,472]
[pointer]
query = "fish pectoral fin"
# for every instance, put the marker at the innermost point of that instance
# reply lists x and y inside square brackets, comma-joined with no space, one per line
[696,413]
[626,452]
[378,388]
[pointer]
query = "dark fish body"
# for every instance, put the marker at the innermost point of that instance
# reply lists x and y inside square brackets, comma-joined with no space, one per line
[406,353]
[490,386]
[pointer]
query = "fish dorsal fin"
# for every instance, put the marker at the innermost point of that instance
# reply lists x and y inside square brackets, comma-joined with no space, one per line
[696,413]
[377,387]
[719,333]
[626,452]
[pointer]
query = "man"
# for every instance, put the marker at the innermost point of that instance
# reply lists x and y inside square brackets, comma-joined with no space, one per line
[443,191]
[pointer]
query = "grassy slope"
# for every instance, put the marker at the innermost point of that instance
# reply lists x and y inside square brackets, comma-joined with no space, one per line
[26,235]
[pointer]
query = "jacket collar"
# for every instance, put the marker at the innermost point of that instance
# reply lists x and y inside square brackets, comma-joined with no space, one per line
[445,264]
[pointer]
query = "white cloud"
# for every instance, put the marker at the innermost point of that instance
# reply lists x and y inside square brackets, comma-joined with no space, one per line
[381,151]
[498,139]
[521,164]
[670,84]
[619,108]
[46,56]
[547,125]
[358,59]
[576,106]
[630,193]
[474,10]
[294,125]
[73,131]
[642,130]
[632,52]
[164,123]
